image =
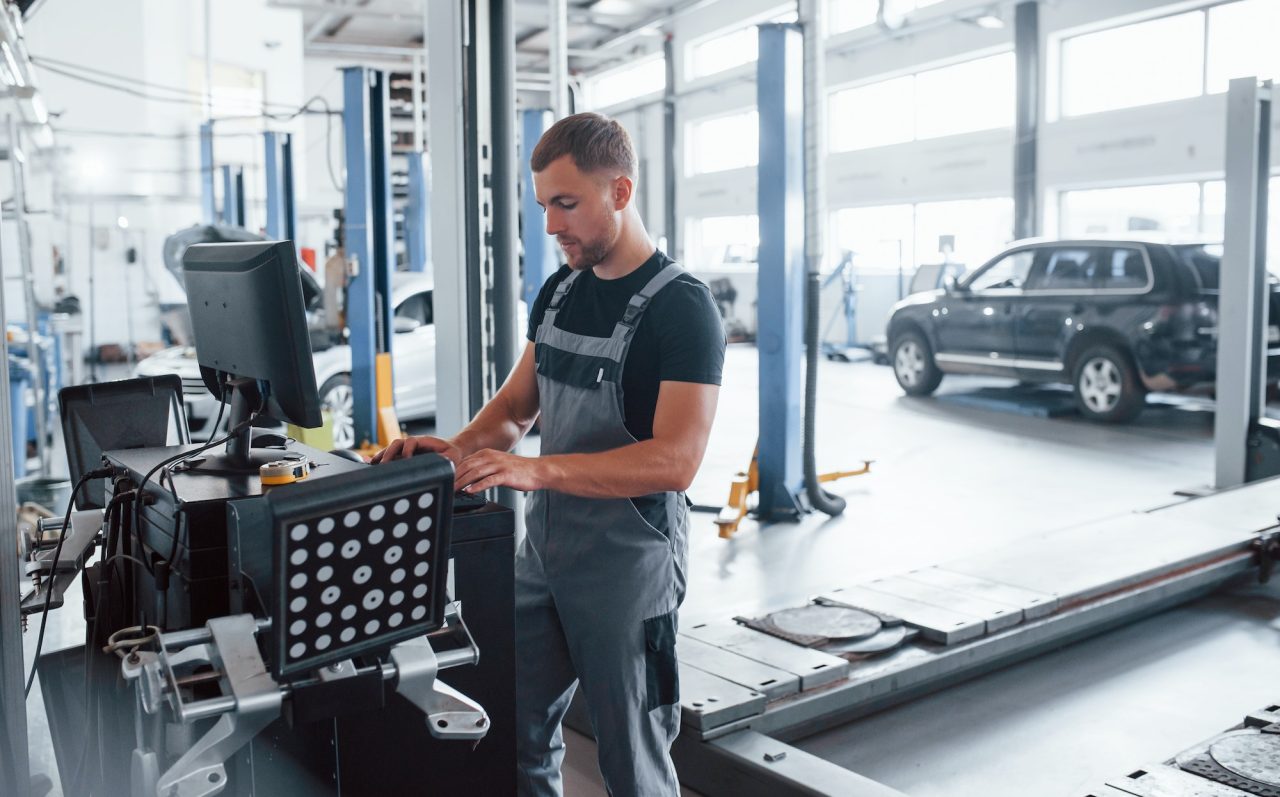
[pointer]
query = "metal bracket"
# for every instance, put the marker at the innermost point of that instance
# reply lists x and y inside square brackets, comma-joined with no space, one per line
[450,714]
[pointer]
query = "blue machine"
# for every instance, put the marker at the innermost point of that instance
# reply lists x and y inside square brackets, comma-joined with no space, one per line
[781,270]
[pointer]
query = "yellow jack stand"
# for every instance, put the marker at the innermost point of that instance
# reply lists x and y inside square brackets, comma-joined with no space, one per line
[745,485]
[388,421]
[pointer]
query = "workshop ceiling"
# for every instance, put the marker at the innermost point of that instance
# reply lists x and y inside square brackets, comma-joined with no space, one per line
[600,32]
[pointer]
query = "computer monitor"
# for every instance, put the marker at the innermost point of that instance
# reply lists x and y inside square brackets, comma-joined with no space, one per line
[250,329]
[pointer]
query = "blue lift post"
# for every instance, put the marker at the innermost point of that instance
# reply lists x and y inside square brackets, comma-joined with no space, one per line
[417,228]
[369,236]
[281,214]
[781,270]
[208,206]
[233,196]
[540,260]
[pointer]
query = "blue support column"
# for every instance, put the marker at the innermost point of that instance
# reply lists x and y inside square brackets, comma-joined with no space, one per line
[275,186]
[417,218]
[781,273]
[208,206]
[228,196]
[540,260]
[286,174]
[367,224]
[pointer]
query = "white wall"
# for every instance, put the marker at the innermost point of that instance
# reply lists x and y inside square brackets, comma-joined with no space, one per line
[121,155]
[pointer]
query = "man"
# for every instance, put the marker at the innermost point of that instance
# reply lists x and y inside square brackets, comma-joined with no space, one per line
[624,370]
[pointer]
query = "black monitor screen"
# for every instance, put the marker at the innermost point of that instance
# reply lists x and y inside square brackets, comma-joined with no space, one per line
[249,321]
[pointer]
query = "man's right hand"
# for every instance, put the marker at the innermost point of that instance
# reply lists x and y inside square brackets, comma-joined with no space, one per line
[407,447]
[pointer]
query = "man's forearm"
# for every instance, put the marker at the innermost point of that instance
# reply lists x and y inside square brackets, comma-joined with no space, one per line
[495,426]
[649,466]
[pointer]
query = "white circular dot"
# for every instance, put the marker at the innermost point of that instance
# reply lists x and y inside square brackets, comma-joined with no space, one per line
[322,642]
[347,634]
[397,575]
[348,612]
[395,620]
[373,599]
[419,591]
[325,525]
[396,598]
[377,512]
[325,573]
[297,604]
[402,506]
[330,595]
[422,547]
[400,530]
[297,650]
[392,555]
[418,612]
[350,549]
[426,500]
[363,574]
[323,619]
[298,581]
[351,519]
[371,627]
[424,523]
[298,556]
[420,569]
[297,627]
[325,550]
[299,532]
[376,536]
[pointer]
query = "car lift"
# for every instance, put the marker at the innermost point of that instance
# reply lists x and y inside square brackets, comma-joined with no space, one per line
[746,694]
[746,484]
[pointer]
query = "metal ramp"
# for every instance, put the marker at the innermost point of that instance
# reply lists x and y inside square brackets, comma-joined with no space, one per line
[745,693]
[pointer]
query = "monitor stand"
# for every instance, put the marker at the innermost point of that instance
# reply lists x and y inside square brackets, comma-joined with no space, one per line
[241,457]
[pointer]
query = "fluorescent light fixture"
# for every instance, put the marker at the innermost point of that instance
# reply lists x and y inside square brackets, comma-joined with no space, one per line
[38,110]
[12,63]
[989,21]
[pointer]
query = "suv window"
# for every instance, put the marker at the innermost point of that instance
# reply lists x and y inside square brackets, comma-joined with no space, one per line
[1121,269]
[1066,269]
[1007,273]
[417,307]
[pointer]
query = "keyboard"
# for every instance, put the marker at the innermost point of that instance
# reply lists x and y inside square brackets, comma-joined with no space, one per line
[466,502]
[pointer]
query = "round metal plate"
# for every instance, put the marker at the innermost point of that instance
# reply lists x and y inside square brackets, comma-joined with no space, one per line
[885,639]
[1250,755]
[832,622]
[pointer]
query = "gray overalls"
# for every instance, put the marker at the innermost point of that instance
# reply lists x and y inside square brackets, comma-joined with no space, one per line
[597,586]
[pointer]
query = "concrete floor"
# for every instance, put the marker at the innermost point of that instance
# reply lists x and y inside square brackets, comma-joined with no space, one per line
[950,481]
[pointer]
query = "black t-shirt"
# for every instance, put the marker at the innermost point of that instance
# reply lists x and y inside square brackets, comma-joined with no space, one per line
[680,337]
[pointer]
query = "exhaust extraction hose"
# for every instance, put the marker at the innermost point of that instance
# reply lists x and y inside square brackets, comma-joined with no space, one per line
[814,29]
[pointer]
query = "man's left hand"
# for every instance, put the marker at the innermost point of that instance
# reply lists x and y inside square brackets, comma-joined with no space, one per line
[489,468]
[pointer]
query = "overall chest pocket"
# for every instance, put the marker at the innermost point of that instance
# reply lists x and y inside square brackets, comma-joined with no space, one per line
[575,370]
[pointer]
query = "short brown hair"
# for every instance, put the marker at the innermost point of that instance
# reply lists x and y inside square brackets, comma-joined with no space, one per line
[594,141]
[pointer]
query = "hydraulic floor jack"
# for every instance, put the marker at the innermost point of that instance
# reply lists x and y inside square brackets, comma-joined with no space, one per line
[747,483]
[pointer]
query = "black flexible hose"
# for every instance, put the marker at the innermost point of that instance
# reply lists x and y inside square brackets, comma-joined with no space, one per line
[819,498]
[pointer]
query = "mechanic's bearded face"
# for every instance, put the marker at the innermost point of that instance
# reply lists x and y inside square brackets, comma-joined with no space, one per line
[583,210]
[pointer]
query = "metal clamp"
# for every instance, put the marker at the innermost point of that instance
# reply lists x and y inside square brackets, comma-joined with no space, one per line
[450,714]
[226,651]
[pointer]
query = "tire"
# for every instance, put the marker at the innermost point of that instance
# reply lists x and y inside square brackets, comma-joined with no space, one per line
[1106,385]
[337,398]
[913,364]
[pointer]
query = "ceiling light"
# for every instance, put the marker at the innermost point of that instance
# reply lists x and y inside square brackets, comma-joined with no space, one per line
[989,21]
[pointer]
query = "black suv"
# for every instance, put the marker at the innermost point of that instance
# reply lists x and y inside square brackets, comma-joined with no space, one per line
[1112,318]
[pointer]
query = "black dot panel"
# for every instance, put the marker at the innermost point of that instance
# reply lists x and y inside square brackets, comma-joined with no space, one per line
[356,577]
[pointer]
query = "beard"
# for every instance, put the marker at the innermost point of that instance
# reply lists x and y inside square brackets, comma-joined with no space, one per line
[591,253]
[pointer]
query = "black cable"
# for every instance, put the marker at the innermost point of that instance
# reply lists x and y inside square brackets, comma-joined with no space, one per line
[53,568]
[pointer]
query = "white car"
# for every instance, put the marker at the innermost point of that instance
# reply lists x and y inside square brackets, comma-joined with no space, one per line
[413,354]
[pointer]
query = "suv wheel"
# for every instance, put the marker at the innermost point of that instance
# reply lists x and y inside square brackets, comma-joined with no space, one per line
[337,398]
[913,365]
[1107,386]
